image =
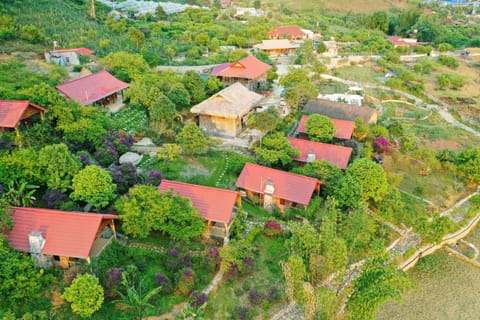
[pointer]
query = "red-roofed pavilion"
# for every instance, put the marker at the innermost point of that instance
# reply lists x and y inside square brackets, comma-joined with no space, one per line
[215,205]
[287,32]
[276,188]
[311,151]
[61,236]
[14,112]
[99,88]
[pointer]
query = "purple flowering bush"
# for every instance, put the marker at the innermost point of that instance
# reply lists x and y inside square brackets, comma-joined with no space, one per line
[54,199]
[272,228]
[242,313]
[106,153]
[255,297]
[165,282]
[124,176]
[186,282]
[154,178]
[381,145]
[197,299]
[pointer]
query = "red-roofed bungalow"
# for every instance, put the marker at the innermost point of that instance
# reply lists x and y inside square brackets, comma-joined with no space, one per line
[59,237]
[276,188]
[99,88]
[215,205]
[343,128]
[287,32]
[311,151]
[15,113]
[249,71]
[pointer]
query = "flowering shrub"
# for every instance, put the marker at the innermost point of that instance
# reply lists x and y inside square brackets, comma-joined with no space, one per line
[242,313]
[186,282]
[53,198]
[124,176]
[154,178]
[272,228]
[112,279]
[255,297]
[106,153]
[197,299]
[381,145]
[163,281]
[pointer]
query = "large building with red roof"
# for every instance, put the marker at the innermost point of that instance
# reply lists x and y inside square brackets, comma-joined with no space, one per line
[276,188]
[409,42]
[343,128]
[310,151]
[99,88]
[61,236]
[287,32]
[14,113]
[249,71]
[216,206]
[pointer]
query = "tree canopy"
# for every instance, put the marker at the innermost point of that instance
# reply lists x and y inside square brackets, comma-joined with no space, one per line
[320,128]
[192,139]
[85,295]
[93,184]
[264,121]
[276,150]
[371,177]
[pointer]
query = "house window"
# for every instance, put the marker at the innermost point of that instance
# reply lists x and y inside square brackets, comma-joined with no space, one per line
[282,201]
[56,258]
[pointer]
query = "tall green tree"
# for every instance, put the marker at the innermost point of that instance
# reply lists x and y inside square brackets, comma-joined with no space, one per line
[93,184]
[326,172]
[58,166]
[371,177]
[192,140]
[85,295]
[144,209]
[379,281]
[125,66]
[264,121]
[320,128]
[276,150]
[195,86]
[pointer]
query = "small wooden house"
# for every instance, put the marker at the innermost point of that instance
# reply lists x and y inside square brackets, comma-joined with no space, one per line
[16,113]
[59,237]
[310,151]
[340,110]
[225,113]
[343,128]
[101,89]
[216,206]
[276,188]
[250,71]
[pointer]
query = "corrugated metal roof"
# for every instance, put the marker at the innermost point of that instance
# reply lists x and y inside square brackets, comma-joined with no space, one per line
[288,186]
[11,111]
[92,88]
[213,204]
[82,51]
[340,110]
[69,234]
[286,31]
[336,155]
[343,128]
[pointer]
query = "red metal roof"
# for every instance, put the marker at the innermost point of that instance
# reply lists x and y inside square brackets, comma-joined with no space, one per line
[336,155]
[396,41]
[247,68]
[286,31]
[343,128]
[91,88]
[288,186]
[69,234]
[82,51]
[11,112]
[213,204]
